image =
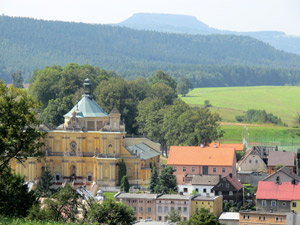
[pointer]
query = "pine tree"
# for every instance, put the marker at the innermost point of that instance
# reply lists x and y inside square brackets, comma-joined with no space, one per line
[122,170]
[124,184]
[45,183]
[153,179]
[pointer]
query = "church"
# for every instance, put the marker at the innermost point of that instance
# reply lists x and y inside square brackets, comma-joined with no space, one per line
[89,146]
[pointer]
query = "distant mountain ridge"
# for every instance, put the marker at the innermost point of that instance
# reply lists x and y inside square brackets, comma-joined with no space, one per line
[173,23]
[208,60]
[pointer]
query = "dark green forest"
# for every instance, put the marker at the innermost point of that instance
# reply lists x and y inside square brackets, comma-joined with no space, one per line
[207,60]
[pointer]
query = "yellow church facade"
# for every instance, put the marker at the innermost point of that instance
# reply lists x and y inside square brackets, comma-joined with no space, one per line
[88,148]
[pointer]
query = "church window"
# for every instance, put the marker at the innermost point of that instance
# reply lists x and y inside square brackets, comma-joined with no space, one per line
[90,178]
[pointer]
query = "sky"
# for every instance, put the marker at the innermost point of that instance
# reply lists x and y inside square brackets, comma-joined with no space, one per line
[234,15]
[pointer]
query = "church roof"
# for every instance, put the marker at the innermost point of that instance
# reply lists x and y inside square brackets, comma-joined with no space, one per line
[87,108]
[143,151]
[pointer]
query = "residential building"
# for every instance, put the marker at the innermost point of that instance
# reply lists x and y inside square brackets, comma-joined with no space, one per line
[143,204]
[212,204]
[197,160]
[284,174]
[202,184]
[229,218]
[166,203]
[231,189]
[237,147]
[278,196]
[88,147]
[282,158]
[252,161]
[265,218]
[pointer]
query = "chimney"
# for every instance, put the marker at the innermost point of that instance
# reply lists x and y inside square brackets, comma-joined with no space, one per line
[230,175]
[294,182]
[278,180]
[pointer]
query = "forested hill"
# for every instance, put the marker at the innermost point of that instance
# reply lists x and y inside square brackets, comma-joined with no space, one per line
[174,23]
[28,44]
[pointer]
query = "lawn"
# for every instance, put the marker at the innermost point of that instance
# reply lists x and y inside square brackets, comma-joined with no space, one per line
[282,101]
[109,195]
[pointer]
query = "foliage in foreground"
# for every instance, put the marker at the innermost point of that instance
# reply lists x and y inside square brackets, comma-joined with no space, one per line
[203,217]
[167,182]
[15,200]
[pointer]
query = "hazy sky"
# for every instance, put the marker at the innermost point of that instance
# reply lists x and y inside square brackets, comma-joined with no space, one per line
[236,15]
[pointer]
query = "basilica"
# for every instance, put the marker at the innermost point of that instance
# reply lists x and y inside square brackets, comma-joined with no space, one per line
[89,146]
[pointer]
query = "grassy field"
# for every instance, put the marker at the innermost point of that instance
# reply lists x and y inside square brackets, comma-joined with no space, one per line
[282,101]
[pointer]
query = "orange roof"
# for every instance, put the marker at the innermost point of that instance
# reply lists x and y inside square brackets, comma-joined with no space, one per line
[237,147]
[196,155]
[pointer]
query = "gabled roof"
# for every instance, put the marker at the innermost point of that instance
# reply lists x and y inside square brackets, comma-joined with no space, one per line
[286,171]
[237,147]
[234,181]
[205,179]
[143,151]
[242,160]
[281,157]
[196,155]
[285,191]
[87,107]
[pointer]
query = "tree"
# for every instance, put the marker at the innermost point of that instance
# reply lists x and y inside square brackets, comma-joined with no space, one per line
[163,92]
[153,180]
[111,213]
[122,170]
[174,216]
[62,206]
[162,77]
[207,104]
[17,79]
[44,185]
[15,199]
[19,134]
[184,86]
[203,217]
[124,184]
[167,182]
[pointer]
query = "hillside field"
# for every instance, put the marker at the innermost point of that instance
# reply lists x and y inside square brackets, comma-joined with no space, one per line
[282,101]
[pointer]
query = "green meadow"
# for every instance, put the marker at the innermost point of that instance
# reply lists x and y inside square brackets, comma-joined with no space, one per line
[282,101]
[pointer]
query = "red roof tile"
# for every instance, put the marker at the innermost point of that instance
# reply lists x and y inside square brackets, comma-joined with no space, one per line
[286,191]
[196,155]
[234,181]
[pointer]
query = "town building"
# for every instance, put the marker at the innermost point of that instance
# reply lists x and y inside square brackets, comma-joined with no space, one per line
[231,190]
[88,147]
[143,205]
[280,158]
[198,160]
[266,218]
[284,174]
[212,204]
[202,184]
[229,218]
[252,161]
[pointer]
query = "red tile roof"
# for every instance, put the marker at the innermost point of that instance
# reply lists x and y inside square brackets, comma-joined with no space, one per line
[237,147]
[286,191]
[196,155]
[234,181]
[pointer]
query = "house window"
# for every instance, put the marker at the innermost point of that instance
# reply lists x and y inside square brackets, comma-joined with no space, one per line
[172,208]
[184,169]
[159,218]
[273,203]
[264,203]
[197,189]
[223,170]
[204,190]
[149,209]
[281,219]
[179,209]
[227,185]
[244,217]
[256,161]
[141,209]
[159,209]
[221,185]
[230,193]
[259,217]
[172,202]
[57,177]
[294,204]
[220,193]
[250,161]
[166,209]
[134,209]
[277,219]
[184,209]
[214,170]
[283,204]
[193,169]
[175,168]
[264,218]
[185,190]
[89,178]
[211,191]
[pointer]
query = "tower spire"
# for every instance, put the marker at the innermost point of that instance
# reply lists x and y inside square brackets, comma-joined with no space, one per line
[87,86]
